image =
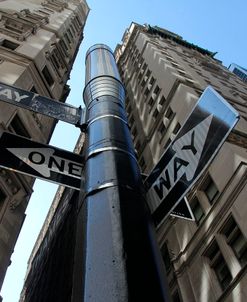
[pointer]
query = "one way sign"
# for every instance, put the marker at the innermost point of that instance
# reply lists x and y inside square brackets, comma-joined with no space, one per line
[39,160]
[186,158]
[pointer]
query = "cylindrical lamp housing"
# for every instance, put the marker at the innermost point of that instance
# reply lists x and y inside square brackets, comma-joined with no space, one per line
[122,259]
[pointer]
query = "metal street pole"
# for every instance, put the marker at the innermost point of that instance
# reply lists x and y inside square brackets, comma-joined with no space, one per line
[122,261]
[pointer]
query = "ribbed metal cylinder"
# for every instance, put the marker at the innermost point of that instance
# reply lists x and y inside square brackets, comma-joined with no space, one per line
[122,261]
[102,76]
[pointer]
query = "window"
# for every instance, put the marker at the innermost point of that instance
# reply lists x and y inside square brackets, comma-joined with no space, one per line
[169,113]
[166,257]
[176,129]
[16,126]
[67,39]
[55,59]
[47,75]
[70,34]
[155,113]
[131,120]
[218,264]
[137,146]
[2,198]
[43,12]
[176,297]
[156,90]
[139,78]
[63,46]
[151,81]
[210,190]
[143,83]
[73,28]
[146,92]
[144,67]
[128,108]
[8,44]
[134,131]
[236,240]
[167,143]
[33,89]
[142,164]
[162,128]
[197,210]
[162,100]
[151,102]
[148,74]
[48,10]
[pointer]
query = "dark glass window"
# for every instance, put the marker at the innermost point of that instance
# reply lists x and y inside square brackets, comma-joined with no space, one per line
[223,274]
[146,92]
[16,126]
[169,113]
[137,146]
[47,75]
[156,113]
[67,38]
[162,100]
[143,83]
[162,128]
[236,240]
[210,190]
[177,128]
[156,90]
[142,164]
[197,210]
[148,74]
[166,257]
[151,102]
[64,46]
[167,143]
[33,89]
[2,198]
[176,297]
[218,264]
[131,120]
[144,67]
[151,81]
[134,131]
[8,44]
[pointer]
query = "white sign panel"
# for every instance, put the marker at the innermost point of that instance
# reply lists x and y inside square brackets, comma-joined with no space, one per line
[189,154]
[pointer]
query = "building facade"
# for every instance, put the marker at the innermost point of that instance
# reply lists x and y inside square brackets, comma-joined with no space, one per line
[164,75]
[39,41]
[239,71]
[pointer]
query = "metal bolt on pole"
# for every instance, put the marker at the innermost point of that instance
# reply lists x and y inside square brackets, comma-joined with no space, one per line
[122,261]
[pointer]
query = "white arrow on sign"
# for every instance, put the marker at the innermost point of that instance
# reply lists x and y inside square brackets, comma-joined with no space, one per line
[43,161]
[188,150]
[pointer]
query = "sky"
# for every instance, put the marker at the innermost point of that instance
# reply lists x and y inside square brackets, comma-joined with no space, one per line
[217,25]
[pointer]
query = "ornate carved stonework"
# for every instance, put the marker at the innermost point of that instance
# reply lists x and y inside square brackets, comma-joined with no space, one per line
[237,139]
[20,25]
[55,5]
[9,180]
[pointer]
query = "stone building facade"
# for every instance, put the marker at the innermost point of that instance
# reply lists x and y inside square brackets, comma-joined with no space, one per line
[164,75]
[39,41]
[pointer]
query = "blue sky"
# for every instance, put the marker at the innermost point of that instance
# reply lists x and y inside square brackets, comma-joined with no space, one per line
[217,25]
